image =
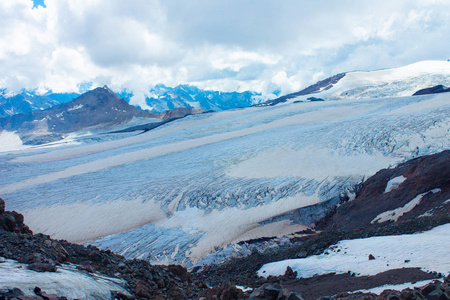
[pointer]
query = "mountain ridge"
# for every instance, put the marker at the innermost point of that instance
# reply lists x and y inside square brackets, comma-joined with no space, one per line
[99,108]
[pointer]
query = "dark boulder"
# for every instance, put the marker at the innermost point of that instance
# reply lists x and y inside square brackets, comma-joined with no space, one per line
[42,267]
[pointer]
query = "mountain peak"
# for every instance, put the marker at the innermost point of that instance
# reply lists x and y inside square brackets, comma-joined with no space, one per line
[105,87]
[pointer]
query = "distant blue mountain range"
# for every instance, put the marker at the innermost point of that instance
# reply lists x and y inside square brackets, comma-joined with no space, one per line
[162,98]
[166,98]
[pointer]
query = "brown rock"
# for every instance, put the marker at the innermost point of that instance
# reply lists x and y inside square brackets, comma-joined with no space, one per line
[42,267]
[371,257]
[290,273]
[428,289]
[181,272]
[141,290]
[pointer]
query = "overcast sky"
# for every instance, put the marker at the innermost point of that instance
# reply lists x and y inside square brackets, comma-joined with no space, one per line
[228,45]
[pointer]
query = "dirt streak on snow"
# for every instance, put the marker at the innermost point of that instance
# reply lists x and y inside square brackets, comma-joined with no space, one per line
[233,225]
[326,114]
[426,250]
[83,222]
[95,148]
[308,163]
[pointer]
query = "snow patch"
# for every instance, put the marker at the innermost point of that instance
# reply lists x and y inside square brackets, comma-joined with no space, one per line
[393,215]
[396,287]
[394,183]
[424,250]
[10,141]
[75,107]
[66,281]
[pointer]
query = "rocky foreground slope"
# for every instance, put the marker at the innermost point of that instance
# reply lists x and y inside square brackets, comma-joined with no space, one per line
[379,195]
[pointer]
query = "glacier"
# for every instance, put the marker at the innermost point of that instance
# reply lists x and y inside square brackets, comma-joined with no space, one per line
[199,185]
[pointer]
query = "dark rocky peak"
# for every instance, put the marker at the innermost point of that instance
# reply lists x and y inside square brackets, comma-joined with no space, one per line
[97,97]
[432,90]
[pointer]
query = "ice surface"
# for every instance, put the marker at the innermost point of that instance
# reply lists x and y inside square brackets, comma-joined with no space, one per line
[184,189]
[426,250]
[66,281]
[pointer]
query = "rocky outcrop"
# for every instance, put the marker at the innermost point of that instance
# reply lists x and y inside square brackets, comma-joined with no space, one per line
[394,193]
[432,90]
[12,221]
[43,254]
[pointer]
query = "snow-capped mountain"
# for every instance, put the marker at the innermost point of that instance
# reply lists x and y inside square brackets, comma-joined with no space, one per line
[396,82]
[29,101]
[161,98]
[96,109]
[164,98]
[23,103]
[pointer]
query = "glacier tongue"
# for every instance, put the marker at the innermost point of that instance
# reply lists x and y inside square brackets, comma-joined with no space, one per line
[180,191]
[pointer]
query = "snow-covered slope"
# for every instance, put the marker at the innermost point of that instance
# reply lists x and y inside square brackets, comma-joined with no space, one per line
[396,82]
[180,191]
[425,250]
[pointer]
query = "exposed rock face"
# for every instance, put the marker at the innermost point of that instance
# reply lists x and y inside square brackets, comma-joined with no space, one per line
[424,191]
[432,90]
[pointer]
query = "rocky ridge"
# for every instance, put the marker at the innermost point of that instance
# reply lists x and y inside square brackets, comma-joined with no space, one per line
[98,109]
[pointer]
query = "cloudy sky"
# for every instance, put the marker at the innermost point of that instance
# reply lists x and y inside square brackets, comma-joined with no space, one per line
[257,45]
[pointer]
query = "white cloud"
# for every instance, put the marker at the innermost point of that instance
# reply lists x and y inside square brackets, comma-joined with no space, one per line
[228,45]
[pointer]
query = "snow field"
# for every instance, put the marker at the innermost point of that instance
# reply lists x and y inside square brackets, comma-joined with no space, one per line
[427,250]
